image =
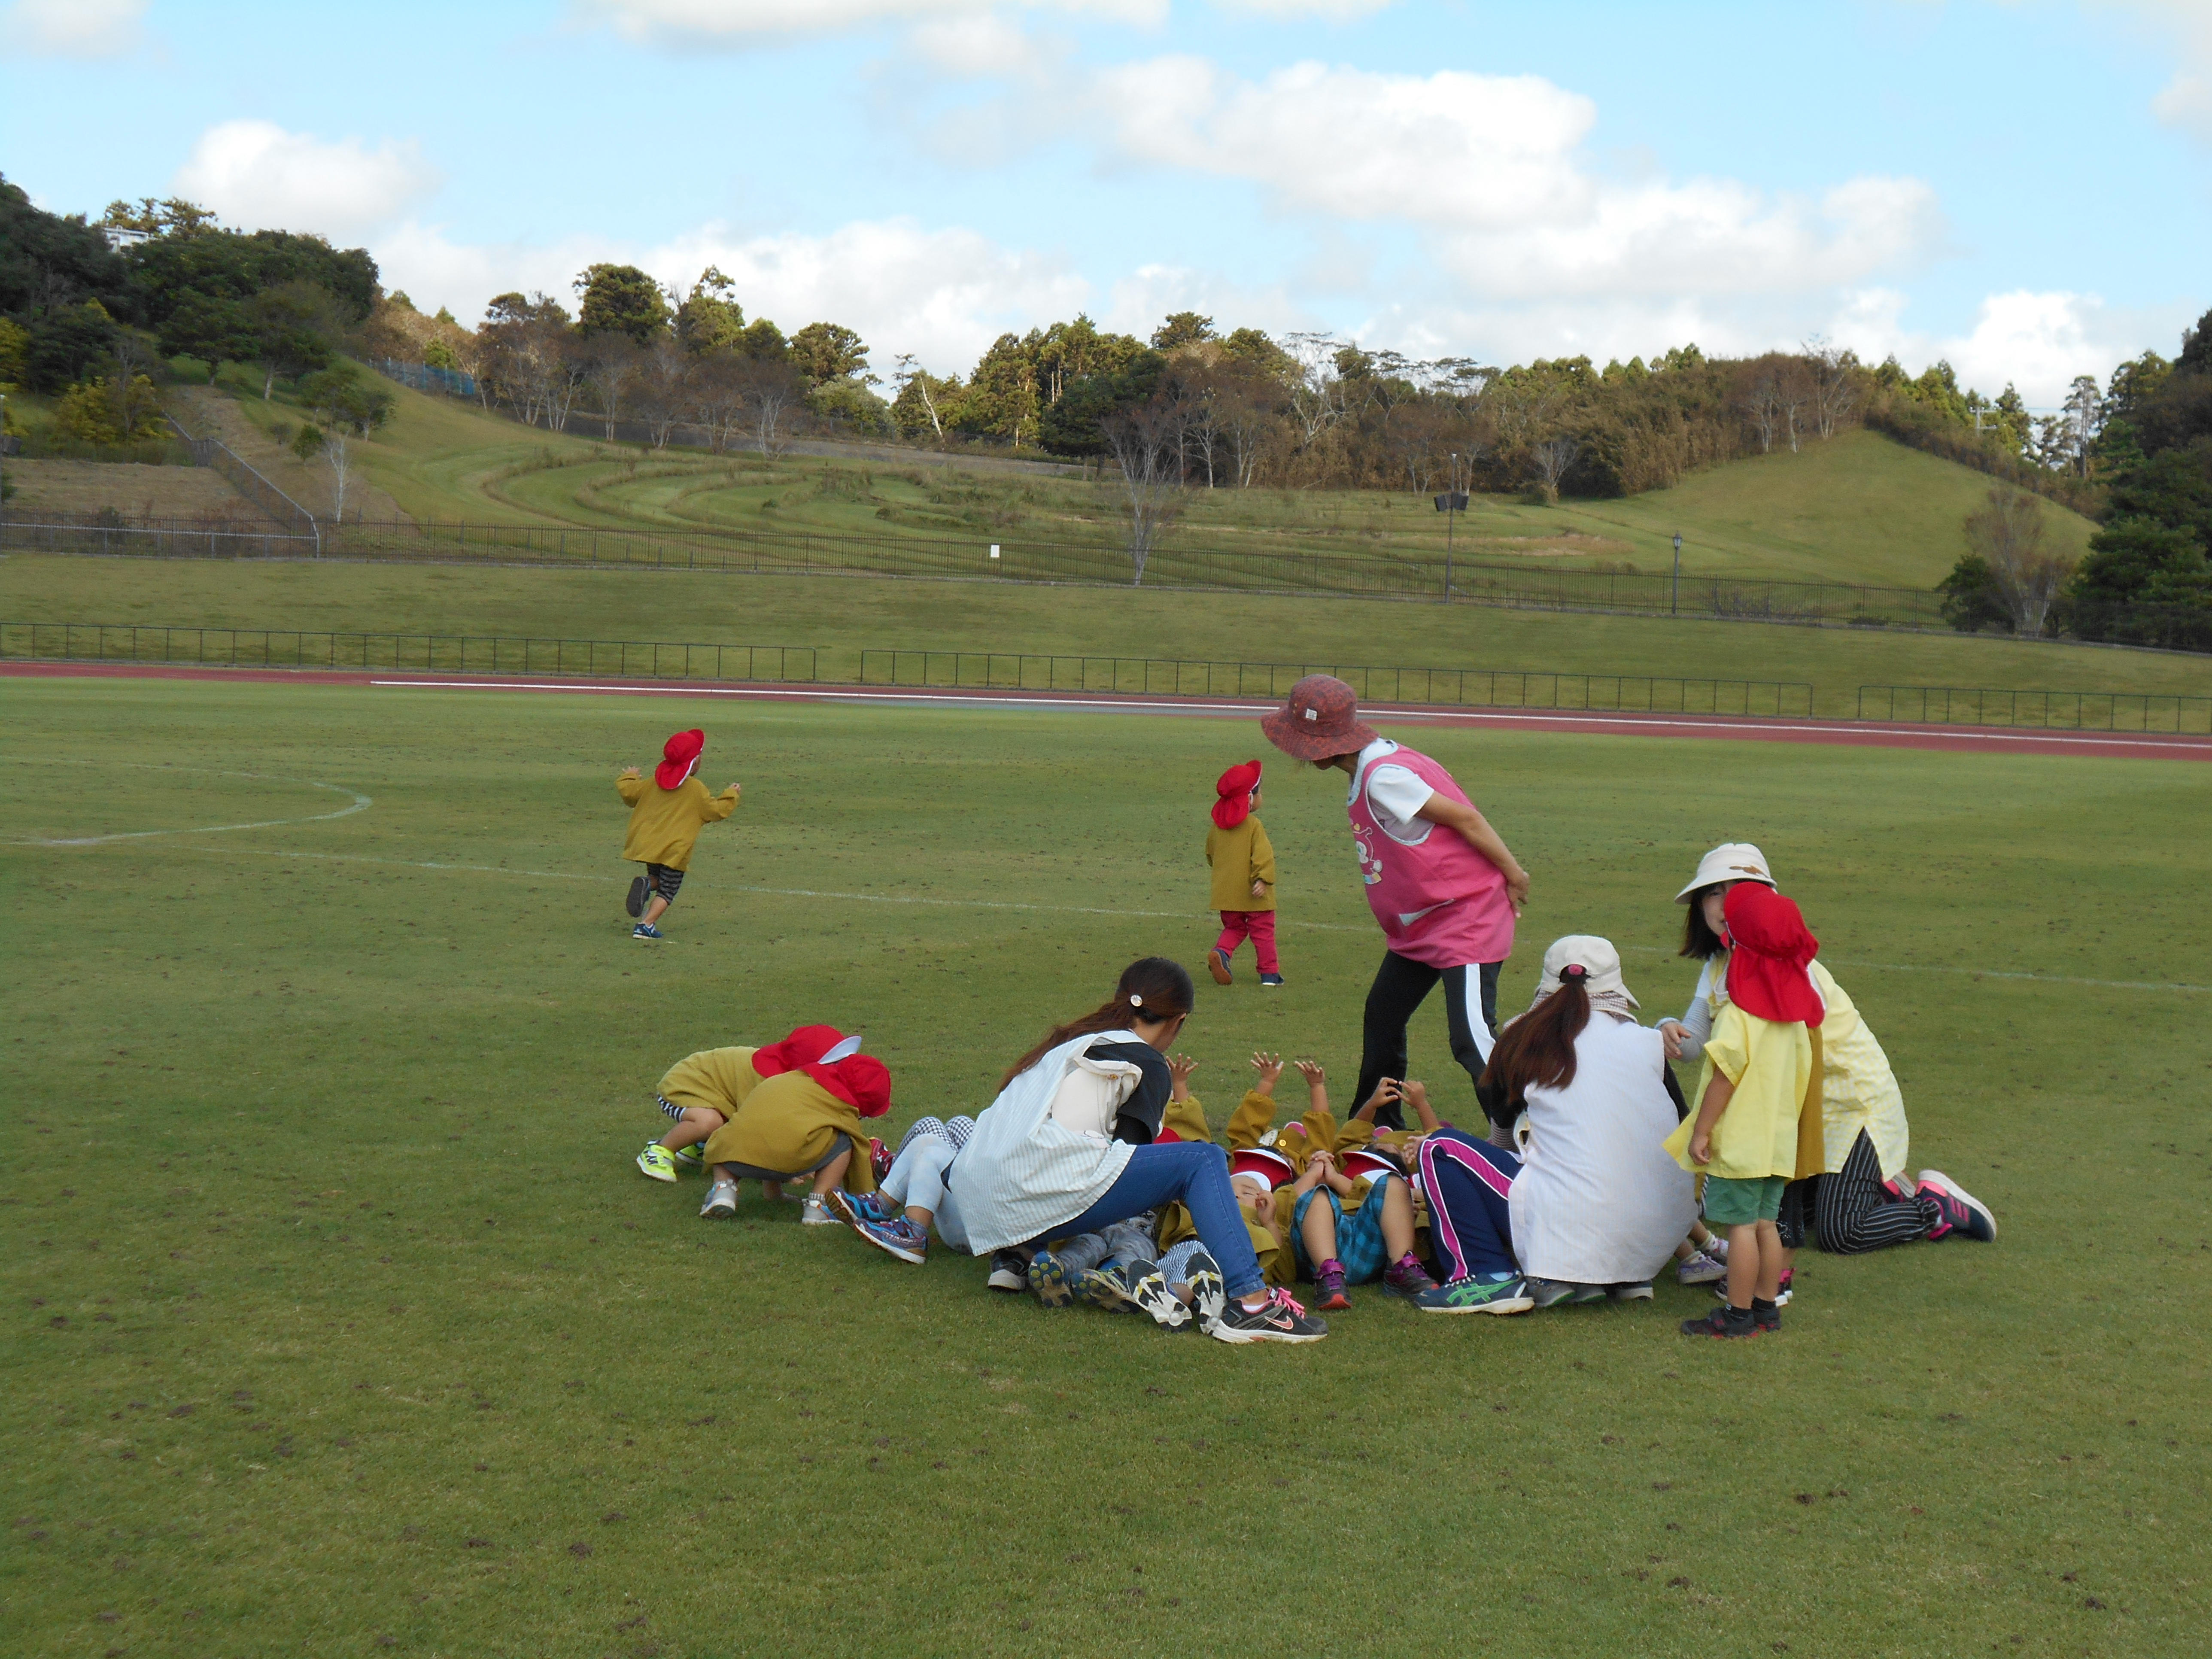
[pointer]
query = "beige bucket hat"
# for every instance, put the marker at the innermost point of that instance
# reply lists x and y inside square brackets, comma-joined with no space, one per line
[1732,860]
[1596,956]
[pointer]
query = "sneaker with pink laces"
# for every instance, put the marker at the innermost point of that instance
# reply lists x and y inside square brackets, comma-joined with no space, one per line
[1280,1318]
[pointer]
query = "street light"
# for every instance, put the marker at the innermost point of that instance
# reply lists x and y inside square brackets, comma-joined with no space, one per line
[1452,501]
[1674,603]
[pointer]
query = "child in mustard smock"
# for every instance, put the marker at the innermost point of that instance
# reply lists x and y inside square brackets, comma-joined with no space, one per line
[666,817]
[1243,861]
[1748,1136]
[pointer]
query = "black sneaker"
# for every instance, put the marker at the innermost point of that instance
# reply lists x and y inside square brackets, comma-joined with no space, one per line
[1208,1294]
[1149,1286]
[1010,1272]
[1105,1287]
[635,902]
[1723,1322]
[1278,1319]
[1766,1315]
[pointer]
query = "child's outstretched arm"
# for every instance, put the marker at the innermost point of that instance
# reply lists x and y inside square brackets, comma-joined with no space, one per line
[1269,1066]
[1417,1092]
[1180,1066]
[1316,1090]
[1389,1089]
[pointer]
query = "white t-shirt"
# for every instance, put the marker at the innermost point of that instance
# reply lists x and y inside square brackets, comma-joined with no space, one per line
[1395,793]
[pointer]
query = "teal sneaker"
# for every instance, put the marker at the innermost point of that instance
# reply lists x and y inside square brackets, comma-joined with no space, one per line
[1509,1295]
[1049,1280]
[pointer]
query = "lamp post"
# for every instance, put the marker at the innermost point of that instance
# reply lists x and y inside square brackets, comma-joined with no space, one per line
[1674,602]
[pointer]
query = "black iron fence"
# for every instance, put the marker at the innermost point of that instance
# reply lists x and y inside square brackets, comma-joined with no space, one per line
[2058,711]
[1453,687]
[280,509]
[428,654]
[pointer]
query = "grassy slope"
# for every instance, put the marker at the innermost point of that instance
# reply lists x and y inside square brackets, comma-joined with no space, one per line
[373,1333]
[1858,509]
[845,614]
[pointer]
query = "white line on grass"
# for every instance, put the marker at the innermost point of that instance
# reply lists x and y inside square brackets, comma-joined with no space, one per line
[1099,910]
[913,696]
[360,803]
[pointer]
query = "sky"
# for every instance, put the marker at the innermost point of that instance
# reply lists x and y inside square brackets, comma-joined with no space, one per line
[2019,186]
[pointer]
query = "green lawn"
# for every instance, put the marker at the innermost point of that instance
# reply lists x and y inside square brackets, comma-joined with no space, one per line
[365,1336]
[843,615]
[1857,509]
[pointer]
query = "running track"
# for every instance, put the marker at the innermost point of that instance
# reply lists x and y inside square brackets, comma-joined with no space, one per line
[1862,733]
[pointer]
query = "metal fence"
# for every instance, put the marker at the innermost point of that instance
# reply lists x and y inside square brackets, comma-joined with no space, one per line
[442,654]
[174,538]
[1470,688]
[281,508]
[2059,711]
[429,377]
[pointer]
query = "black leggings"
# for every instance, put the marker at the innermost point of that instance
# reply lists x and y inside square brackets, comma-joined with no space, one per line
[1850,1211]
[1401,985]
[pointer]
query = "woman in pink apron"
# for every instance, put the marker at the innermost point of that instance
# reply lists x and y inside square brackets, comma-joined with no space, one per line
[1443,885]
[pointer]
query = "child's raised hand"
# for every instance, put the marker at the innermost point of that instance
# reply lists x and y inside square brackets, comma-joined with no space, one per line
[1269,1066]
[734,789]
[1180,1066]
[1310,1070]
[1417,1096]
[1386,1091]
[630,771]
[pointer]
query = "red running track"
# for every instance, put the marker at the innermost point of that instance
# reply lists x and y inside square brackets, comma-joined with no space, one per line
[1756,728]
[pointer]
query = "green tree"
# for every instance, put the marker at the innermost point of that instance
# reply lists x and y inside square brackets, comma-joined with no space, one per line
[621,300]
[710,320]
[830,351]
[212,327]
[1971,601]
[340,396]
[65,343]
[1181,328]
[295,328]
[764,342]
[925,402]
[1002,393]
[15,345]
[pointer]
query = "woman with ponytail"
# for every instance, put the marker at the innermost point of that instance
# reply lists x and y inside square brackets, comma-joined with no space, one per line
[1070,1147]
[1590,1205]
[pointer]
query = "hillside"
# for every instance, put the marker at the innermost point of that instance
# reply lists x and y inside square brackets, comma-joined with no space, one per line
[1857,509]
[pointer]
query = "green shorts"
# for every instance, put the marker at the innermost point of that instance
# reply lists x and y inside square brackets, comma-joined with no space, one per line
[1739,1203]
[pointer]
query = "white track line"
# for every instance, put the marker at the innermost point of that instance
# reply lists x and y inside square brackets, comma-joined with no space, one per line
[360,803]
[1098,910]
[911,695]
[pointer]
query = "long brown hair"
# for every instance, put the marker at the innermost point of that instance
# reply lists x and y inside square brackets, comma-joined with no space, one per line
[1154,988]
[1538,1049]
[1699,942]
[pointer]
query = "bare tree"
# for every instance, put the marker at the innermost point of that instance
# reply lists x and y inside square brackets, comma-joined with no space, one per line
[773,393]
[2007,531]
[1203,419]
[1793,390]
[1762,406]
[663,395]
[610,363]
[1143,442]
[1317,390]
[2085,419]
[911,373]
[340,463]
[1829,368]
[1552,458]
[719,386]
[1245,404]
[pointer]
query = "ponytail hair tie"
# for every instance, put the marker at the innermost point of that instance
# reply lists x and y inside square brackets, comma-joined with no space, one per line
[1575,971]
[1136,1002]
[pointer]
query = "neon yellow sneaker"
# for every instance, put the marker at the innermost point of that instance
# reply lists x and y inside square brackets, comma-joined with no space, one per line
[657,1161]
[691,1158]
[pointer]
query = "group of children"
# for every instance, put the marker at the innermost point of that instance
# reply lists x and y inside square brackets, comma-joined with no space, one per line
[1796,1123]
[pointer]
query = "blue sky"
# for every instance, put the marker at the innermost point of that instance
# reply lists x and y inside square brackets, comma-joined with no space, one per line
[2020,185]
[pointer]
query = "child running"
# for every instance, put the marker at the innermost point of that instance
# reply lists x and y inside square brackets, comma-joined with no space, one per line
[1243,861]
[666,817]
[1758,1071]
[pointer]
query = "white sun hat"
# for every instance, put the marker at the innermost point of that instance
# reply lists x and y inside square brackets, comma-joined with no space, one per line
[1598,961]
[1732,860]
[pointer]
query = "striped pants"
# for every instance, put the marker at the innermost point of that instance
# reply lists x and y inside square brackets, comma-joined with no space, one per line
[1467,1181]
[1851,1210]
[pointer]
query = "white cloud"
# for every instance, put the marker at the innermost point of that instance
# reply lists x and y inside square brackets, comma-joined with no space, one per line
[257,174]
[74,28]
[2185,102]
[943,294]
[1138,302]
[740,20]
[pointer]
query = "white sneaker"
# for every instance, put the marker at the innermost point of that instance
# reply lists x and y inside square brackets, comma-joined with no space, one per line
[816,1213]
[722,1201]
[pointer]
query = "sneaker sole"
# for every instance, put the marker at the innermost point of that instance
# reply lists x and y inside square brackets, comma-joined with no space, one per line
[1209,1300]
[914,1257]
[717,1213]
[1006,1280]
[840,1203]
[1154,1298]
[652,1173]
[1049,1285]
[1218,968]
[1937,1178]
[1504,1305]
[1237,1336]
[1631,1293]
[1702,1278]
[1103,1290]
[634,904]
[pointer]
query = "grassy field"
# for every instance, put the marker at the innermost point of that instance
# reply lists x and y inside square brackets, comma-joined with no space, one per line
[367,1338]
[843,615]
[1859,508]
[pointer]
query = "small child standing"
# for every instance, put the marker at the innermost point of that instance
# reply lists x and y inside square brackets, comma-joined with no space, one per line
[1745,1137]
[1243,861]
[666,817]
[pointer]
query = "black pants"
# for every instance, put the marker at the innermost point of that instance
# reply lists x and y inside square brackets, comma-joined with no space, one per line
[1850,1211]
[1401,985]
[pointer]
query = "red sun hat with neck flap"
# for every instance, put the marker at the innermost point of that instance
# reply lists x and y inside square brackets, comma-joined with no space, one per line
[1769,949]
[1236,788]
[1319,720]
[678,756]
[861,1081]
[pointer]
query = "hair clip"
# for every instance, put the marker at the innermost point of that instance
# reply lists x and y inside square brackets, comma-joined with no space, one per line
[1136,1002]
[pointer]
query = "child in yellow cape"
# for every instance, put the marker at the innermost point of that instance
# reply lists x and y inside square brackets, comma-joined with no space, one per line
[804,1118]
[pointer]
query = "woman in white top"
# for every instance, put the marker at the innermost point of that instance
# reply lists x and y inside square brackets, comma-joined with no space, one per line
[1060,1152]
[1866,1200]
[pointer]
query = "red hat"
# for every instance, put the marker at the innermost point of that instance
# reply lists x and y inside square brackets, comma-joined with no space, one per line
[1320,719]
[1236,786]
[677,756]
[805,1046]
[1769,949]
[1269,1165]
[1371,1161]
[861,1081]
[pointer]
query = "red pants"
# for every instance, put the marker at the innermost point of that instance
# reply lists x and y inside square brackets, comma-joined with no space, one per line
[1259,926]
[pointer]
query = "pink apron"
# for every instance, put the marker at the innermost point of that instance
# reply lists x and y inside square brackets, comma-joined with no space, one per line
[1439,901]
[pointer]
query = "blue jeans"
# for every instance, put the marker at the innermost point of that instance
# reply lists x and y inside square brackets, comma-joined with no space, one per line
[1194,1173]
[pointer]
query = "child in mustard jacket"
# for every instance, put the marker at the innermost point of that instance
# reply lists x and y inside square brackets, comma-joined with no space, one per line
[1243,861]
[666,817]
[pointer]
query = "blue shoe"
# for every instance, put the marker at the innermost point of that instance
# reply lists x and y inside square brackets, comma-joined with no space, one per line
[1509,1295]
[1549,1292]
[1049,1280]
[865,1209]
[645,930]
[1271,980]
[899,1237]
